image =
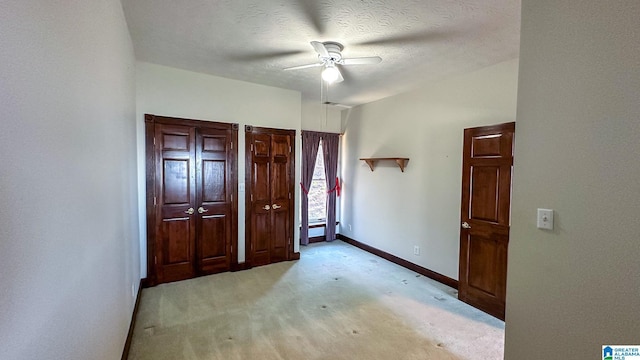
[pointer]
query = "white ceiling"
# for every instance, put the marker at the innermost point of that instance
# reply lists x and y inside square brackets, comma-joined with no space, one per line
[252,40]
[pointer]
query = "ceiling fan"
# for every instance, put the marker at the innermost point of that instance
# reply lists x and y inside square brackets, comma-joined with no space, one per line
[330,55]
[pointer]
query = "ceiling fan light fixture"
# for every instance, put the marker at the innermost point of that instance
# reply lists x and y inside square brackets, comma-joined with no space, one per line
[330,74]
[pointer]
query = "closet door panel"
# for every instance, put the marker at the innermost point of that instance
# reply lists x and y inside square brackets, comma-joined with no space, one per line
[280,234]
[270,195]
[214,174]
[261,238]
[213,148]
[175,177]
[213,229]
[177,249]
[261,196]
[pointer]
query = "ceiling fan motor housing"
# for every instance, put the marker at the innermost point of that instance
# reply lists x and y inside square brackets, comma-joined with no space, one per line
[334,49]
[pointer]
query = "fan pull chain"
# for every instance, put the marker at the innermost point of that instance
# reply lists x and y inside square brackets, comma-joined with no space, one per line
[326,106]
[323,99]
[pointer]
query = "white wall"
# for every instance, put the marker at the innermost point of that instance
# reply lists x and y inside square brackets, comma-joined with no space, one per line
[68,213]
[394,211]
[319,117]
[169,91]
[575,288]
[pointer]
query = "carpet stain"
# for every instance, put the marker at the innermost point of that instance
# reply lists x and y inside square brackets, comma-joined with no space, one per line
[150,330]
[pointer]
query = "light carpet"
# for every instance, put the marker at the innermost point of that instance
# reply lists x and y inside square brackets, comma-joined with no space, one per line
[336,302]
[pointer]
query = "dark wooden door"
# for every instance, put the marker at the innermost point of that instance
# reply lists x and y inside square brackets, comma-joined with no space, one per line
[214,199]
[260,199]
[191,212]
[270,175]
[175,183]
[486,207]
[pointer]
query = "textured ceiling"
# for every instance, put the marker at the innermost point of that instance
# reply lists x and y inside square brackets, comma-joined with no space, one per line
[253,40]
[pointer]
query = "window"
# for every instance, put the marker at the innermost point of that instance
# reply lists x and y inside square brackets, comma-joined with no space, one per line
[318,191]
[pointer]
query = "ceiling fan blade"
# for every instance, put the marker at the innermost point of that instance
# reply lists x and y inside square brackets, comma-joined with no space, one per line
[311,10]
[320,49]
[362,60]
[263,56]
[337,105]
[340,78]
[430,35]
[303,66]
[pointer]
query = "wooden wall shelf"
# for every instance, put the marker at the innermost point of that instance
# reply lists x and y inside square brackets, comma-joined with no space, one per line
[372,161]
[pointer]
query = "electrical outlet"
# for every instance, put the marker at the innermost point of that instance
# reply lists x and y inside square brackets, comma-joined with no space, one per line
[416,250]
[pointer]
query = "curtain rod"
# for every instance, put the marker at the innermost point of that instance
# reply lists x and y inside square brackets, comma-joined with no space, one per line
[320,132]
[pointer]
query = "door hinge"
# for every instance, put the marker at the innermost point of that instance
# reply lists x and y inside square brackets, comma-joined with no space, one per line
[289,195]
[251,197]
[154,141]
[289,148]
[231,197]
[251,147]
[232,145]
[155,201]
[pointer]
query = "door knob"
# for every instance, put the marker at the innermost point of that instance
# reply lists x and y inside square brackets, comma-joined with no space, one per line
[267,207]
[189,211]
[202,210]
[276,206]
[465,225]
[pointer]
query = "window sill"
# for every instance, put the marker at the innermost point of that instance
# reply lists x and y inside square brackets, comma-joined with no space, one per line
[317,225]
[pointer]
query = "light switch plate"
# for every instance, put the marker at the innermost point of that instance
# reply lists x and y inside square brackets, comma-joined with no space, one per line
[545,219]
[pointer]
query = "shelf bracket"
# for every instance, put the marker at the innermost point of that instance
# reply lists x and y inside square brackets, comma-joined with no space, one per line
[400,161]
[370,163]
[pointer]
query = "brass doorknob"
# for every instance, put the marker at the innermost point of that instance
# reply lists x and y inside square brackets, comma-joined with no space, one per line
[189,211]
[202,210]
[267,207]
[276,206]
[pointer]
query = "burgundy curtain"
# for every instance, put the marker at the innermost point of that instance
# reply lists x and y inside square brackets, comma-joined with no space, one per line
[310,144]
[330,144]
